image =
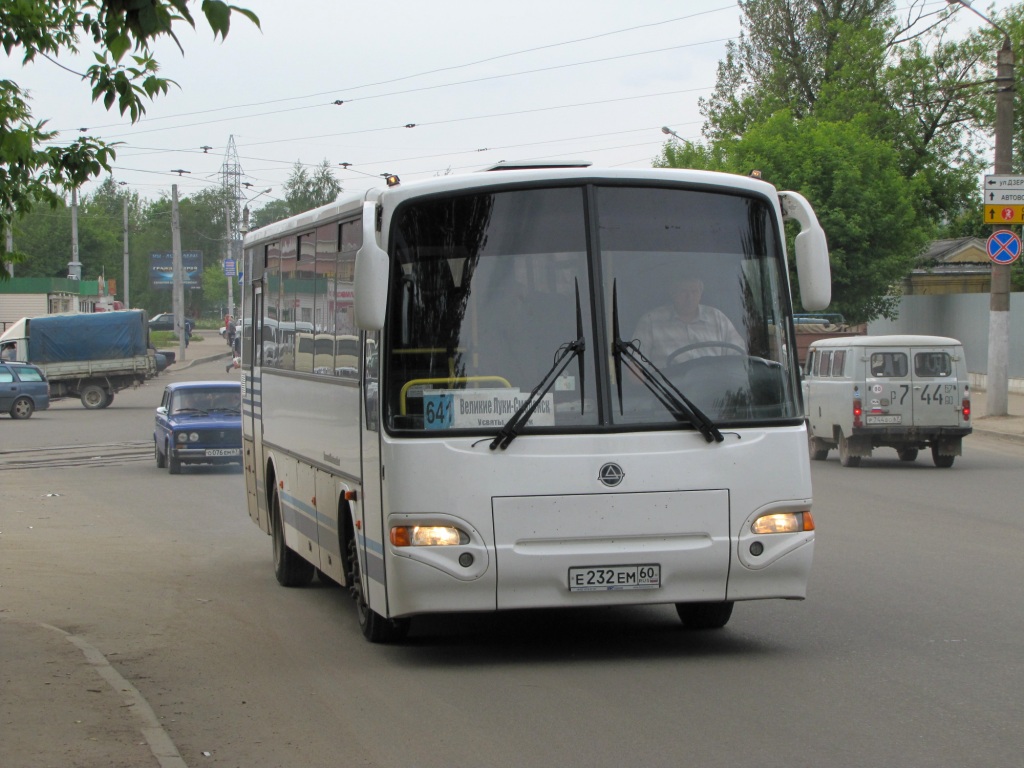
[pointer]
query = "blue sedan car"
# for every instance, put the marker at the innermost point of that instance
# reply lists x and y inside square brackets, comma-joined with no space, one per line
[198,422]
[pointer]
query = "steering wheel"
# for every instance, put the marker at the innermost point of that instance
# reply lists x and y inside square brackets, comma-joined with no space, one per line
[703,345]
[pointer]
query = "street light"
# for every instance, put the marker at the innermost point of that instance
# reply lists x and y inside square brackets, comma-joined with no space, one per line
[997,375]
[669,132]
[245,210]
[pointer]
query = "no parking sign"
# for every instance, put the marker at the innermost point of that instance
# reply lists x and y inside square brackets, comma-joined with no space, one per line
[1003,247]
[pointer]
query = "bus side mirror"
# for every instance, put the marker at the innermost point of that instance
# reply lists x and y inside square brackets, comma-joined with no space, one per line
[812,267]
[371,276]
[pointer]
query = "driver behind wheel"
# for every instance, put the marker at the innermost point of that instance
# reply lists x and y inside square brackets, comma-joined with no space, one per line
[683,322]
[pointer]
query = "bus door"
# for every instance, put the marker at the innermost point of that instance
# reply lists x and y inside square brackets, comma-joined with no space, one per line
[252,429]
[369,514]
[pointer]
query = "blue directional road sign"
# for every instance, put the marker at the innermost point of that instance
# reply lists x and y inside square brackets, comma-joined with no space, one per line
[1003,247]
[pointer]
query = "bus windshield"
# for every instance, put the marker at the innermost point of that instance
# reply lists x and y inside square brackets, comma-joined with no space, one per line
[670,289]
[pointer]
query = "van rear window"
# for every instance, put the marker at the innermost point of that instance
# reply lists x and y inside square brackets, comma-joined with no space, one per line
[932,364]
[886,364]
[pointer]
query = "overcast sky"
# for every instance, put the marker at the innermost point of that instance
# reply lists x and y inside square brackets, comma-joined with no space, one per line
[480,81]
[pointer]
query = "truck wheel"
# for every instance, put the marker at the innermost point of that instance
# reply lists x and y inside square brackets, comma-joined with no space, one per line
[110,399]
[845,457]
[93,396]
[704,615]
[161,460]
[22,408]
[907,454]
[943,462]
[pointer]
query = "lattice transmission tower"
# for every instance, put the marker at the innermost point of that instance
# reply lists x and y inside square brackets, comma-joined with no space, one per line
[231,183]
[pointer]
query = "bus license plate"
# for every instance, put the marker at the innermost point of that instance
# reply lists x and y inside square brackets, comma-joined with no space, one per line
[223,451]
[614,577]
[892,419]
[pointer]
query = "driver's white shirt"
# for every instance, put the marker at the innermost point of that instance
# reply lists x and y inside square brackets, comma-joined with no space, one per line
[662,331]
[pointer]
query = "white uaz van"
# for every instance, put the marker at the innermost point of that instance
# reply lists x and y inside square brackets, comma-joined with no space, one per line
[902,392]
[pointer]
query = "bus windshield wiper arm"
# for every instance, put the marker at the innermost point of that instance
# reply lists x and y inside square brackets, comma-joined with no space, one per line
[675,402]
[563,357]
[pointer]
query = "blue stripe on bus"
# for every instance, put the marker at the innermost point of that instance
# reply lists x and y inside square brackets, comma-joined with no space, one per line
[304,518]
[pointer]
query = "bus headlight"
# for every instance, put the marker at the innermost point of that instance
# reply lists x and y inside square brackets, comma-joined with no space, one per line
[783,522]
[427,536]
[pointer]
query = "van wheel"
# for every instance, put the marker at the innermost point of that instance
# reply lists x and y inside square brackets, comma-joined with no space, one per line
[907,454]
[816,447]
[704,615]
[22,408]
[290,569]
[93,396]
[943,462]
[845,457]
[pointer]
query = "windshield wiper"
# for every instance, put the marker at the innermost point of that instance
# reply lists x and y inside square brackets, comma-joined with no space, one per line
[666,393]
[563,357]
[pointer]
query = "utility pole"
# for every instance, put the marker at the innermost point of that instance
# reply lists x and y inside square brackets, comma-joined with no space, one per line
[10,249]
[229,253]
[997,376]
[74,266]
[127,300]
[179,282]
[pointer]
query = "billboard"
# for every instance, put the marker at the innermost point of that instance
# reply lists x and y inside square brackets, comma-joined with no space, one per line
[161,269]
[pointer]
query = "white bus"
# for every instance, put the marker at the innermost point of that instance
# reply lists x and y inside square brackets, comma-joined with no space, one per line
[497,431]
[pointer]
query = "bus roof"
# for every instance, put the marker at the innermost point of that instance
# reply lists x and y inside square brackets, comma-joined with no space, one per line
[511,173]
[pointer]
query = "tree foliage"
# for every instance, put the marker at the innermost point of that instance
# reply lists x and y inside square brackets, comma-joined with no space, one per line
[45,236]
[304,191]
[119,33]
[872,112]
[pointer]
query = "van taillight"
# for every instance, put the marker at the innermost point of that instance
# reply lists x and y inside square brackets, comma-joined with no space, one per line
[856,413]
[965,409]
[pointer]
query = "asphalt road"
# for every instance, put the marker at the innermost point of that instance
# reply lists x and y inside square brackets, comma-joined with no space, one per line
[906,652]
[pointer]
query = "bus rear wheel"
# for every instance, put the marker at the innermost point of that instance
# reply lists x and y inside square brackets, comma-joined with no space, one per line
[374,627]
[704,615]
[290,569]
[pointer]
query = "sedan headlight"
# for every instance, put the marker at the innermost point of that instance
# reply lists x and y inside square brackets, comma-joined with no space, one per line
[193,437]
[182,437]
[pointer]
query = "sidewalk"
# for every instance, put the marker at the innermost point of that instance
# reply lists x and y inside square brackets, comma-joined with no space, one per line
[212,346]
[1010,427]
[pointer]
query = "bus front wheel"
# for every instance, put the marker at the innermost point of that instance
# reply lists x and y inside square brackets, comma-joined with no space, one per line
[704,615]
[374,627]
